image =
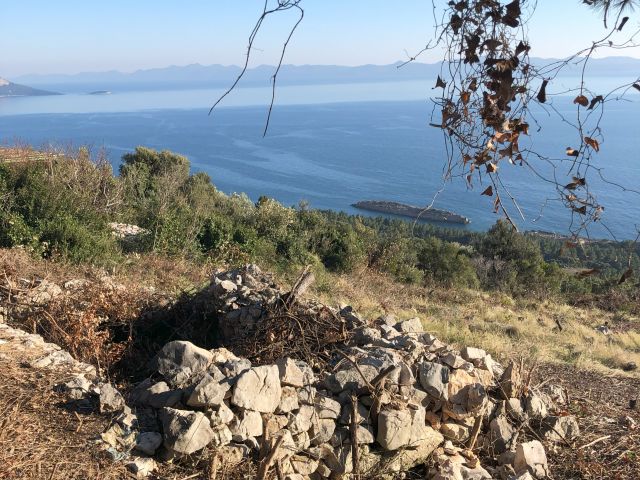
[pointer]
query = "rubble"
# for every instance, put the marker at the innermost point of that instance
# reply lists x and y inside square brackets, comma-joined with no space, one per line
[379,396]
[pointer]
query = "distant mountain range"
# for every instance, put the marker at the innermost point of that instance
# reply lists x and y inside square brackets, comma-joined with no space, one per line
[216,76]
[10,89]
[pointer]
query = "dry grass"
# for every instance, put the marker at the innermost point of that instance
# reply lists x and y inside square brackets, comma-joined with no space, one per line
[38,438]
[601,404]
[503,326]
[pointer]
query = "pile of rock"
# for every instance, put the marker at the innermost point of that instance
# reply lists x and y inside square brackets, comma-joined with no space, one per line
[125,230]
[392,399]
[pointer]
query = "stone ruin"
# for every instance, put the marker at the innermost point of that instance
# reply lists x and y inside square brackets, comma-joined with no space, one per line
[385,399]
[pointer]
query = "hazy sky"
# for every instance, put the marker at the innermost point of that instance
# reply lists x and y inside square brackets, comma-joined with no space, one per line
[69,36]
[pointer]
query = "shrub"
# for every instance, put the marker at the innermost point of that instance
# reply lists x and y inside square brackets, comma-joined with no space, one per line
[446,263]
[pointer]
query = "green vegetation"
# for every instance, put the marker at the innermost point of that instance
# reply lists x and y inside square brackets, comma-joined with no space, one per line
[61,206]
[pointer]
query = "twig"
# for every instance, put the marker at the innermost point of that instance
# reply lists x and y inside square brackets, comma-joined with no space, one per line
[597,440]
[269,459]
[353,429]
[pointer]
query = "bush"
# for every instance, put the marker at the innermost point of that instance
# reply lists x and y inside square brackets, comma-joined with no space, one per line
[446,263]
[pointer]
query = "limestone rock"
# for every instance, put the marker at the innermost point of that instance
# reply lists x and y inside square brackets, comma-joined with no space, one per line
[531,457]
[179,360]
[246,424]
[185,432]
[290,373]
[394,429]
[350,379]
[434,379]
[321,431]
[500,434]
[558,429]
[110,399]
[148,442]
[258,389]
[412,325]
[208,392]
[142,467]
[288,400]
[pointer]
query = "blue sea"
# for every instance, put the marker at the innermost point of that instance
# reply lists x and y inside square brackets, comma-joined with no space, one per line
[334,145]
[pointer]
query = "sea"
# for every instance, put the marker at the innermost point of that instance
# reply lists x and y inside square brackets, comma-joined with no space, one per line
[333,145]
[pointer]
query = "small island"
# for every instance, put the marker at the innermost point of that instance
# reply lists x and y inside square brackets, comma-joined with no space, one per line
[100,92]
[422,213]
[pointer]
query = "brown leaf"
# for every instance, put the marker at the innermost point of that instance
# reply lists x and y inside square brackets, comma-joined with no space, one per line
[502,137]
[456,23]
[625,276]
[513,13]
[636,86]
[581,210]
[440,83]
[522,47]
[492,167]
[572,152]
[542,94]
[593,143]
[595,101]
[465,97]
[581,100]
[488,191]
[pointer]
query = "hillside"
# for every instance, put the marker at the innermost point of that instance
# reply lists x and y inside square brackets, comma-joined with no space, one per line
[150,275]
[10,89]
[216,76]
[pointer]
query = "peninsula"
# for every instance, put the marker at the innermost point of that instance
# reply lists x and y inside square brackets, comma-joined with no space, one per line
[422,213]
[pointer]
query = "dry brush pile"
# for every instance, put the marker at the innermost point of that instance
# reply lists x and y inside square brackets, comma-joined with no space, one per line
[308,391]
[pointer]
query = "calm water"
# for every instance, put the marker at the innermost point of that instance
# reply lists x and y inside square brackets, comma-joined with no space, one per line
[330,154]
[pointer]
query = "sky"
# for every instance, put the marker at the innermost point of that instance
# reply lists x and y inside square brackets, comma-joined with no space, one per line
[71,36]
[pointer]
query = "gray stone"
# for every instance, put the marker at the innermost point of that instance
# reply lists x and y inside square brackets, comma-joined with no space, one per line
[288,400]
[536,405]
[142,467]
[322,430]
[434,379]
[531,457]
[473,355]
[301,421]
[401,428]
[327,407]
[179,360]
[233,368]
[158,395]
[148,442]
[258,389]
[455,431]
[246,424]
[208,392]
[185,432]
[110,399]
[500,434]
[290,373]
[558,429]
[412,325]
[350,379]
[303,465]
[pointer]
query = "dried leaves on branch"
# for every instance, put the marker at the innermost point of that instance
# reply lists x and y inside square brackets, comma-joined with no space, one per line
[488,86]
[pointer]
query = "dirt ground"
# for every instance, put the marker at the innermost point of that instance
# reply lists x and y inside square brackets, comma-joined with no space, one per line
[602,405]
[39,437]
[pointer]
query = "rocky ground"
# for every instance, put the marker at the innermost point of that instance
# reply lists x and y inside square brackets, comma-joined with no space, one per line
[280,402]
